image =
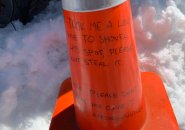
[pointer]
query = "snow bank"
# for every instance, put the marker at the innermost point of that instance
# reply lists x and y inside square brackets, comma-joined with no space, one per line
[161,43]
[33,61]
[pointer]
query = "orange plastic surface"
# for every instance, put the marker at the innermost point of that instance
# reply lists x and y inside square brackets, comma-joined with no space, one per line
[160,115]
[104,69]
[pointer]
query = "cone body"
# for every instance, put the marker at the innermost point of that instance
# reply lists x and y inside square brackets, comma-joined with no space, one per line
[104,65]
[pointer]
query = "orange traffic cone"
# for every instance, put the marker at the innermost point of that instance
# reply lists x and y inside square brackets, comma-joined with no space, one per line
[104,66]
[105,75]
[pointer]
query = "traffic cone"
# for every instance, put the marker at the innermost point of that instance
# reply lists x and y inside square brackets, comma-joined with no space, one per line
[108,91]
[104,65]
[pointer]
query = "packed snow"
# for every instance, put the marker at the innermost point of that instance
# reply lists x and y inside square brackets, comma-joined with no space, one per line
[33,61]
[161,43]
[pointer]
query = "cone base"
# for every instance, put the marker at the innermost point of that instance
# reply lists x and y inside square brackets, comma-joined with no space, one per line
[160,115]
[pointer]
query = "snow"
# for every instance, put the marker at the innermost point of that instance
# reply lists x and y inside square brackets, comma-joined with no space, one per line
[33,61]
[162,50]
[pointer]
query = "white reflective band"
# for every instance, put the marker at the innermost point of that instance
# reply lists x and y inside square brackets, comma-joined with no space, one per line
[89,5]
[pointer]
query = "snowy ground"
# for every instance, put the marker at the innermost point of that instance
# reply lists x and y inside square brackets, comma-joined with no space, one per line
[33,61]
